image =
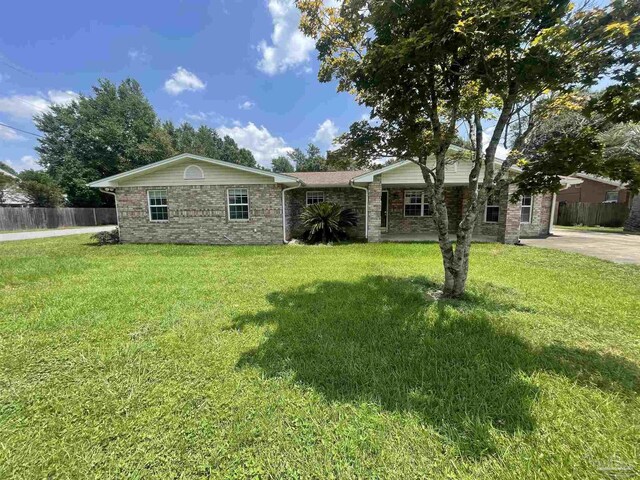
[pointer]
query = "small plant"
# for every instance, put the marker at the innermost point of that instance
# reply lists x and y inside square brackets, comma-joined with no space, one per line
[326,222]
[107,237]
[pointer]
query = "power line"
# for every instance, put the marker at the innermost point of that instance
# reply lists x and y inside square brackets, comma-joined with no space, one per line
[20,130]
[16,68]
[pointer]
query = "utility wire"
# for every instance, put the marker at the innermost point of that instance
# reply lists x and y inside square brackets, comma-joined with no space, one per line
[20,130]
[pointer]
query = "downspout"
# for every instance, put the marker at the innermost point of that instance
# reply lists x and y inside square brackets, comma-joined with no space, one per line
[115,199]
[284,220]
[553,212]
[366,208]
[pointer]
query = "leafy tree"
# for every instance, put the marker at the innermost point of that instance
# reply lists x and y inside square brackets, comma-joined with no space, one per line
[7,168]
[40,188]
[310,161]
[425,67]
[281,164]
[114,130]
[207,142]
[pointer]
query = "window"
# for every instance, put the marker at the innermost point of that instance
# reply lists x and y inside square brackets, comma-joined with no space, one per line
[158,209]
[416,205]
[193,172]
[238,199]
[525,209]
[315,197]
[611,196]
[492,210]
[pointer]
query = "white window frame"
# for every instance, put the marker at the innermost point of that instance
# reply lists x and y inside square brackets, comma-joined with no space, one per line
[229,205]
[311,194]
[166,205]
[523,206]
[422,204]
[617,192]
[492,205]
[196,167]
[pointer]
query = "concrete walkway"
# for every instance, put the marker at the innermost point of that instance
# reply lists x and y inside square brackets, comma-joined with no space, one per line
[615,247]
[8,237]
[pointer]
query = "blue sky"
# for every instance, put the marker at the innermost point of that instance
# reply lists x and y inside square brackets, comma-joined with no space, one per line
[239,66]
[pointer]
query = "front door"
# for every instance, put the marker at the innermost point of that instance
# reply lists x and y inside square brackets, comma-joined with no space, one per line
[384,217]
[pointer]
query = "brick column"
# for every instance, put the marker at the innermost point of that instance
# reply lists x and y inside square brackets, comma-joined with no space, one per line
[375,209]
[509,226]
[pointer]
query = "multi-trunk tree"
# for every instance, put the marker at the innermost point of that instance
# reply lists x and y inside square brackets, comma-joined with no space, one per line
[428,70]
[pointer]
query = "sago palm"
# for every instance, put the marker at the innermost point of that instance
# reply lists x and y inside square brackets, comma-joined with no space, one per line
[327,222]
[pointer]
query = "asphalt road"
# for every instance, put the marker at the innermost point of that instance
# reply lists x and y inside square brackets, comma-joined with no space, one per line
[8,237]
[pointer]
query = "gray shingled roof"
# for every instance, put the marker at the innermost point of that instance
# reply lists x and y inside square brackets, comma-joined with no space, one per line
[327,179]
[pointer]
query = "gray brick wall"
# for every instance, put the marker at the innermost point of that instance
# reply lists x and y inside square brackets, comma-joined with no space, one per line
[198,214]
[540,215]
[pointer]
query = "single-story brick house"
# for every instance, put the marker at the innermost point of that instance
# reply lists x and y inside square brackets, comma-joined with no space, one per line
[594,189]
[193,199]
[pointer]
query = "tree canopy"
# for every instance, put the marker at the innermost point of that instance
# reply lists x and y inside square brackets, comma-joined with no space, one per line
[40,188]
[427,68]
[113,130]
[282,164]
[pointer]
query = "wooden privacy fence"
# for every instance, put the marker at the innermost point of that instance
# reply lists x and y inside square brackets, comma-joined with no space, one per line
[16,218]
[593,214]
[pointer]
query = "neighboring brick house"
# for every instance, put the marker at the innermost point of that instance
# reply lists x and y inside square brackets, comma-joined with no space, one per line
[193,199]
[594,189]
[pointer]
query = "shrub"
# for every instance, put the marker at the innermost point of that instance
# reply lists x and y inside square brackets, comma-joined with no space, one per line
[327,222]
[107,237]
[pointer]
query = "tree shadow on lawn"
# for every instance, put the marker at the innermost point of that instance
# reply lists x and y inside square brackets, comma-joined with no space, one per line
[380,340]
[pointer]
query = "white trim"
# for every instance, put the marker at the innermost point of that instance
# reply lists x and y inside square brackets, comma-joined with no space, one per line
[112,181]
[530,207]
[247,204]
[306,196]
[596,178]
[184,174]
[486,208]
[422,204]
[368,176]
[149,204]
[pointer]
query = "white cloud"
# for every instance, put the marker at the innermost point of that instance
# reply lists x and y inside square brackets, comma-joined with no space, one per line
[325,133]
[501,152]
[259,140]
[9,134]
[248,105]
[26,162]
[26,106]
[289,47]
[139,55]
[183,80]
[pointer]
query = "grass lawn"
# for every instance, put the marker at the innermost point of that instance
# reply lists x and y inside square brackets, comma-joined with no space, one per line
[165,361]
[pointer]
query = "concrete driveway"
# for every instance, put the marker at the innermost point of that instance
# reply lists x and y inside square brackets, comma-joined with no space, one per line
[8,237]
[615,247]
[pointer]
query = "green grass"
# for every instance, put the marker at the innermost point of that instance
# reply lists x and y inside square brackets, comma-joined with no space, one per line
[164,361]
[582,228]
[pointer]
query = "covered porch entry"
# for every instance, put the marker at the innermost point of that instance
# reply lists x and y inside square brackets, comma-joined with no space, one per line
[406,216]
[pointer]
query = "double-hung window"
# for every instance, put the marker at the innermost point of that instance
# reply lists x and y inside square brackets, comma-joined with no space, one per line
[315,197]
[492,209]
[158,209]
[416,204]
[525,209]
[611,196]
[238,200]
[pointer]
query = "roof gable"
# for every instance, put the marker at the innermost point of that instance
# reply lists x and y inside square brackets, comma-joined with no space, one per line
[137,175]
